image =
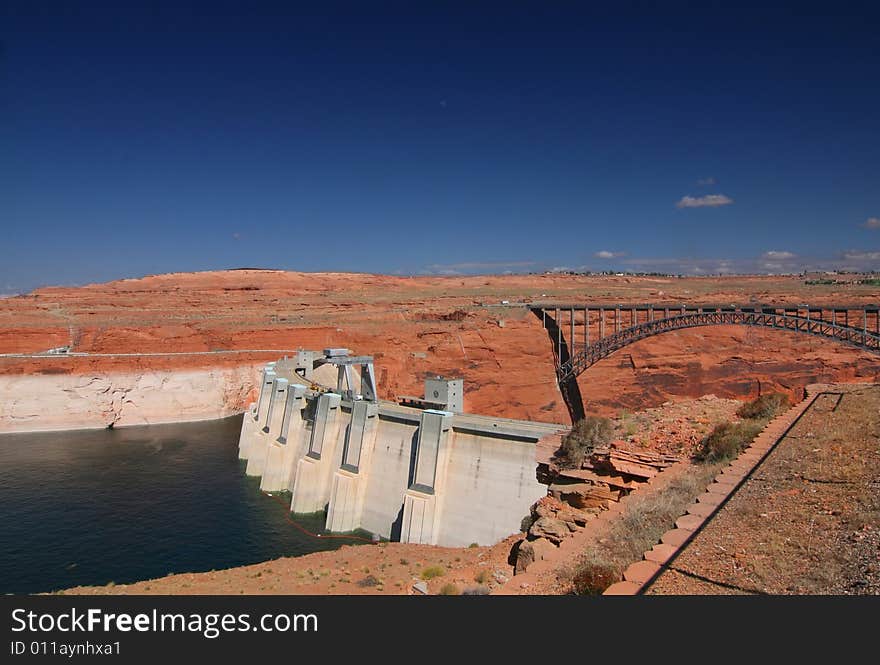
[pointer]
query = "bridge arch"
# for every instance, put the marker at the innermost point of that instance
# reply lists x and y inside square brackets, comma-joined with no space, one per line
[572,359]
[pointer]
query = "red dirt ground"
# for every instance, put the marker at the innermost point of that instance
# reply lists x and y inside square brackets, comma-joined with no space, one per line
[807,521]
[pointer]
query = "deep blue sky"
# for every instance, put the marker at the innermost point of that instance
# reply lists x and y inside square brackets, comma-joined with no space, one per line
[420,137]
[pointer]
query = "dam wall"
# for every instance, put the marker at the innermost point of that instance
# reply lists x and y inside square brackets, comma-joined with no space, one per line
[407,474]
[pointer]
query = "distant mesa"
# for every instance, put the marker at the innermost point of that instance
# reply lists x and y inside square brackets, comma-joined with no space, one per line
[263,269]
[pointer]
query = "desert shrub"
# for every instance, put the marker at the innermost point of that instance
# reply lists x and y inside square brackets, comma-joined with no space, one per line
[476,591]
[369,581]
[450,590]
[592,577]
[583,438]
[431,572]
[727,440]
[482,576]
[764,407]
[474,545]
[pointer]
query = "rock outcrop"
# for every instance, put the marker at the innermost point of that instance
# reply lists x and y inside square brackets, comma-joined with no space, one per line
[552,521]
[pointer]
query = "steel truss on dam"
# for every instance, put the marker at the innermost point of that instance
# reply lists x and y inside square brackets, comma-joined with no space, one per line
[857,326]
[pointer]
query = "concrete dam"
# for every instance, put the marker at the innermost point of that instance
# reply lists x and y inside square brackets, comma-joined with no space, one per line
[425,473]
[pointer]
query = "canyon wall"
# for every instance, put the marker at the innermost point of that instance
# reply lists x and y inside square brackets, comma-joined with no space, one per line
[415,328]
[727,361]
[33,403]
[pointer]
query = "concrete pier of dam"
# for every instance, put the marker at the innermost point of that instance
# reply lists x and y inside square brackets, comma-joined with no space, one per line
[415,475]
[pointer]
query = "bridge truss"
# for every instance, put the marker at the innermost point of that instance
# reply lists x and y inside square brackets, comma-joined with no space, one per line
[857,326]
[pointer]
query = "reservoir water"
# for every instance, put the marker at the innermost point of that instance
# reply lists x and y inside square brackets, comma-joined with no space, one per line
[93,506]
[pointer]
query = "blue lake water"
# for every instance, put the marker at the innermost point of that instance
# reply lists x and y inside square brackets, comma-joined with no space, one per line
[95,506]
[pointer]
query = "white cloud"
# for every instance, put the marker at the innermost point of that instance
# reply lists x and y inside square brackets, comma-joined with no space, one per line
[857,255]
[475,267]
[770,262]
[706,182]
[708,201]
[776,255]
[605,254]
[872,223]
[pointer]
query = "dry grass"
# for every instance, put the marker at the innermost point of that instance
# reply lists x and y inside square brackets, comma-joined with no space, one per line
[765,407]
[638,529]
[431,572]
[727,440]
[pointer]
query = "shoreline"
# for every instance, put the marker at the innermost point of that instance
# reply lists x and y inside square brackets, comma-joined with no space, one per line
[33,403]
[123,427]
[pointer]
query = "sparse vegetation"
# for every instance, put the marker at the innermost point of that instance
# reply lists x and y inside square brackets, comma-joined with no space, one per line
[450,590]
[584,437]
[473,545]
[628,424]
[764,407]
[482,576]
[727,440]
[369,581]
[476,591]
[594,576]
[638,529]
[431,572]
[810,524]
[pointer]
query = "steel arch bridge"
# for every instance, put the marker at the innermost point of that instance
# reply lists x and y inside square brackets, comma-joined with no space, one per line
[857,325]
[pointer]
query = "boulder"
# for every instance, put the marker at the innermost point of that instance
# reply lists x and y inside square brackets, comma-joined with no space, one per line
[585,494]
[574,518]
[530,551]
[551,528]
[546,506]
